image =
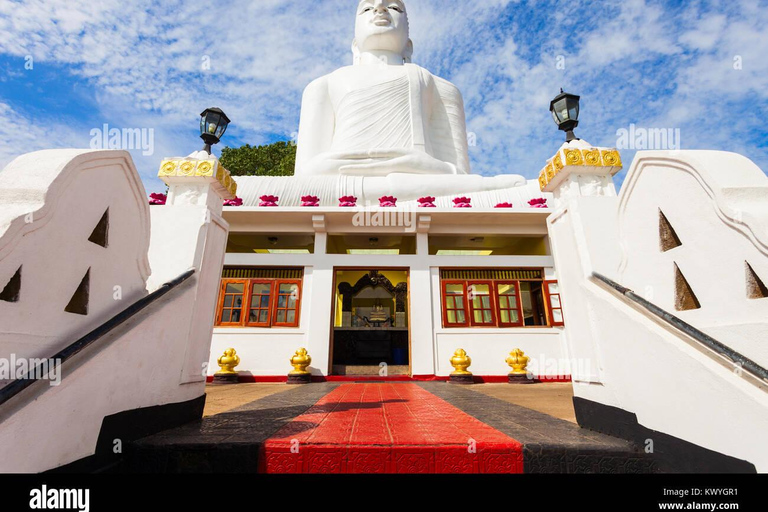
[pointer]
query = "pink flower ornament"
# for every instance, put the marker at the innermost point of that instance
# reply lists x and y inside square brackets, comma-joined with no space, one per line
[427,202]
[462,202]
[157,199]
[310,201]
[268,201]
[388,201]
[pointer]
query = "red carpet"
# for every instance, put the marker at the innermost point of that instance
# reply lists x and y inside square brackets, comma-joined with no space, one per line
[388,428]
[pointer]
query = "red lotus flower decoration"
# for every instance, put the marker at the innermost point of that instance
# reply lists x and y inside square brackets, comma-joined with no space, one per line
[540,202]
[269,200]
[157,199]
[504,205]
[234,202]
[347,201]
[427,202]
[462,202]
[310,201]
[387,201]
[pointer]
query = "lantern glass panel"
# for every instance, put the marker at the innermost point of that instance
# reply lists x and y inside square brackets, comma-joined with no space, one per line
[561,109]
[573,110]
[221,128]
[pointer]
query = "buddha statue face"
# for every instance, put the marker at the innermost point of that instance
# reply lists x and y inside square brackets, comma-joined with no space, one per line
[382,25]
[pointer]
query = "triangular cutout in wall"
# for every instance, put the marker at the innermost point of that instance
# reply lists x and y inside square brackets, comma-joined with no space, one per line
[685,299]
[756,288]
[100,235]
[668,238]
[78,304]
[12,290]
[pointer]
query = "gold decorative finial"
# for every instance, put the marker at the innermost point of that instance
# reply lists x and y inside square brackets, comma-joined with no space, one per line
[518,361]
[300,361]
[460,362]
[228,362]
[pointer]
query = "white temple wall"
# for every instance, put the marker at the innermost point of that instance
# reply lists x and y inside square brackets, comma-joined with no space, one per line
[709,198]
[265,351]
[155,358]
[51,203]
[671,382]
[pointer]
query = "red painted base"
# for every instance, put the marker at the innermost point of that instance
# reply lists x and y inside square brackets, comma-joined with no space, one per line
[385,428]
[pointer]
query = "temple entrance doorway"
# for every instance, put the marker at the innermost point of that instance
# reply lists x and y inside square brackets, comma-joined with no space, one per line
[370,335]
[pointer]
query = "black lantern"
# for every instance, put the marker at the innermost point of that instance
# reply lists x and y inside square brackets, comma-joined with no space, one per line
[565,111]
[213,124]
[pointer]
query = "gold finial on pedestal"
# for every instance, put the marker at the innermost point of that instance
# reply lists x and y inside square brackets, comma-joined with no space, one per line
[518,361]
[300,361]
[227,364]
[460,362]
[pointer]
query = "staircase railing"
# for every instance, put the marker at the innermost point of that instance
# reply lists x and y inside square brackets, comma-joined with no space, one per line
[701,337]
[17,386]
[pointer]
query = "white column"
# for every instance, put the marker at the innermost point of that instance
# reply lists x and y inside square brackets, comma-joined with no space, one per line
[190,233]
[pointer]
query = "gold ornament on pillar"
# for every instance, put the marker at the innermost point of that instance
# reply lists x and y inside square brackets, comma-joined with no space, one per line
[518,361]
[227,363]
[300,361]
[460,362]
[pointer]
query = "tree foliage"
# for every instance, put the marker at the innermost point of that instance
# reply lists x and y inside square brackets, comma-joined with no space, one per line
[277,159]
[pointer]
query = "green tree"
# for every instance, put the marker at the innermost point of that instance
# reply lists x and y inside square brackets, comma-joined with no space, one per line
[278,159]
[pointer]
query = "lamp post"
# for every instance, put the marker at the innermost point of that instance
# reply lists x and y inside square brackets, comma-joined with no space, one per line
[213,124]
[565,112]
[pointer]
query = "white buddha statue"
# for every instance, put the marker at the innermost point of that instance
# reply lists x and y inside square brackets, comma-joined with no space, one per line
[387,121]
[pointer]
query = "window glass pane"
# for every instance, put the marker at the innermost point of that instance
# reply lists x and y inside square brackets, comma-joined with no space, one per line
[505,316]
[557,315]
[291,316]
[254,316]
[486,302]
[228,299]
[454,289]
[478,315]
[503,302]
[265,301]
[554,288]
[226,315]
[281,315]
[555,299]
[238,302]
[451,316]
[480,289]
[235,316]
[282,300]
[487,317]
[235,288]
[515,317]
[260,288]
[288,288]
[292,302]
[263,316]
[461,318]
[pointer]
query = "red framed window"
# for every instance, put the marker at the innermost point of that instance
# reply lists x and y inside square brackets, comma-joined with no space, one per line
[232,302]
[508,293]
[259,303]
[481,304]
[555,305]
[527,302]
[455,304]
[286,310]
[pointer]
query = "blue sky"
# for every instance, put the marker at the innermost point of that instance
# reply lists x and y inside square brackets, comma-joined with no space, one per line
[68,67]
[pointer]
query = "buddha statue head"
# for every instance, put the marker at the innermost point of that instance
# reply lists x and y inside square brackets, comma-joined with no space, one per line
[381,27]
